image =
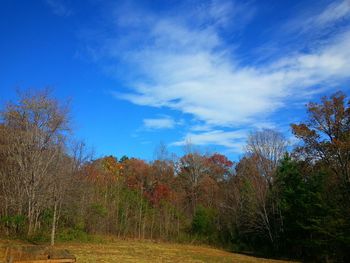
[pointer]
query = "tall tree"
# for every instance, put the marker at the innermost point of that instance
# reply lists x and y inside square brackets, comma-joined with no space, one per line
[268,146]
[326,134]
[37,126]
[193,170]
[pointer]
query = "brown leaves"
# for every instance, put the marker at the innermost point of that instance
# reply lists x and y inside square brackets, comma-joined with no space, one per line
[326,134]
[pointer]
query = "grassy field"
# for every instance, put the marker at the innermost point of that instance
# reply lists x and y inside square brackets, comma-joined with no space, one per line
[147,251]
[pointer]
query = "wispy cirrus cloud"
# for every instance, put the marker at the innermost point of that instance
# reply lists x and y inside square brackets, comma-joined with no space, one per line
[233,140]
[204,82]
[185,63]
[59,7]
[314,20]
[336,11]
[159,123]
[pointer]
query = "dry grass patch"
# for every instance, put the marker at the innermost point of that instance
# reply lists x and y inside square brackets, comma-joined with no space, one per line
[147,251]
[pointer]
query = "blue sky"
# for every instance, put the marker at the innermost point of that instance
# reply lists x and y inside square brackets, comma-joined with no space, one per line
[143,72]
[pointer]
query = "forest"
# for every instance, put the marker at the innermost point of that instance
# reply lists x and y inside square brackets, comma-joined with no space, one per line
[279,199]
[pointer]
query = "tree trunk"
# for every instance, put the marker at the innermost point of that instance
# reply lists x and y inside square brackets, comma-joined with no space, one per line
[53,229]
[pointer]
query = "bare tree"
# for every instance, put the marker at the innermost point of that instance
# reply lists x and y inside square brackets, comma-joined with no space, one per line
[38,127]
[193,169]
[268,146]
[264,151]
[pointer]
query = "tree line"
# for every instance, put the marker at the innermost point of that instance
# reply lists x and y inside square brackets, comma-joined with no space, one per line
[277,200]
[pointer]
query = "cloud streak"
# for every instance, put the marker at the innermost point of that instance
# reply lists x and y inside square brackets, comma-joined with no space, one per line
[159,123]
[59,8]
[335,12]
[189,67]
[233,140]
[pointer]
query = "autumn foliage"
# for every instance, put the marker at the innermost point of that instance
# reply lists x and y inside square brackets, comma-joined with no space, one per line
[276,200]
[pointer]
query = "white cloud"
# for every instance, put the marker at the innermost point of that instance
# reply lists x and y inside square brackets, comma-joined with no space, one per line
[319,21]
[190,68]
[206,85]
[333,13]
[234,140]
[223,13]
[159,123]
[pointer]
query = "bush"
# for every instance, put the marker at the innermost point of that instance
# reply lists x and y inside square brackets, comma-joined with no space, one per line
[203,223]
[15,224]
[72,234]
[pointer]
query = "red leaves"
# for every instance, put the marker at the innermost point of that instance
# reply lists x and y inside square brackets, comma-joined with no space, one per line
[137,173]
[219,166]
[103,171]
[158,181]
[158,193]
[220,160]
